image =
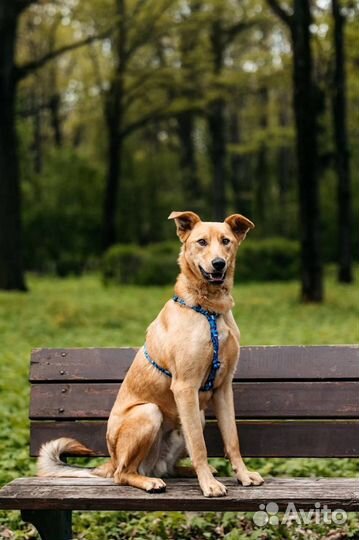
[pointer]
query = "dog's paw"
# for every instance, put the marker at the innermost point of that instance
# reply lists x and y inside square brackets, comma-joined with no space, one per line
[249,478]
[213,488]
[155,485]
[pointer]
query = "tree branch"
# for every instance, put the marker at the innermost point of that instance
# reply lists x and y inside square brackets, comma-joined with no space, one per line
[158,114]
[280,12]
[139,5]
[25,113]
[97,69]
[146,34]
[132,91]
[26,69]
[232,31]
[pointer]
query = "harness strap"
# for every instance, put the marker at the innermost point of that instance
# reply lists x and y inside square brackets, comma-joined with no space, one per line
[212,320]
[162,369]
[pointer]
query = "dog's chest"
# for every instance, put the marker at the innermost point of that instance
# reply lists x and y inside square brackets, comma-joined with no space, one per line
[223,331]
[228,350]
[228,357]
[199,337]
[193,336]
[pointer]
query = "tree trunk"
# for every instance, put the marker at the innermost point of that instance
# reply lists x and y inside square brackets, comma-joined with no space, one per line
[37,135]
[235,158]
[186,119]
[262,179]
[217,129]
[114,167]
[306,113]
[307,154]
[345,272]
[11,264]
[191,185]
[284,159]
[55,115]
[239,166]
[114,123]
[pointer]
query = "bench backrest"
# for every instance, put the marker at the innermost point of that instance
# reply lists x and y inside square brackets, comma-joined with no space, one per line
[289,401]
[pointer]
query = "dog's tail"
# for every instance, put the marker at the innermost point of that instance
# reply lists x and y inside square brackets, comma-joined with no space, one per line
[50,464]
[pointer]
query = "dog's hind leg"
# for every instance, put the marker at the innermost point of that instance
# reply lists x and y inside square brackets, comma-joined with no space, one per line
[137,434]
[186,471]
[172,447]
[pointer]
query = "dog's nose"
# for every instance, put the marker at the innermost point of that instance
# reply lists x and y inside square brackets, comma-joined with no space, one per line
[218,263]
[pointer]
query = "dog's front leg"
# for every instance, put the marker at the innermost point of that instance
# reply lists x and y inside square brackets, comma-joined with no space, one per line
[186,397]
[224,409]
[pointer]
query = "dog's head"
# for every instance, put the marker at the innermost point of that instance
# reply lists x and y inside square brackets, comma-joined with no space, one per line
[209,247]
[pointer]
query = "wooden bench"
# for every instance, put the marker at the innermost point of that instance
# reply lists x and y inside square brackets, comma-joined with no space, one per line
[290,402]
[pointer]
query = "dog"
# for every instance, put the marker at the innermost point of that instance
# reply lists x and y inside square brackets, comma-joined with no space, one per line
[188,361]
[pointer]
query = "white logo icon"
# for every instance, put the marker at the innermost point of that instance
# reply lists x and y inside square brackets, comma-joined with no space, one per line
[268,515]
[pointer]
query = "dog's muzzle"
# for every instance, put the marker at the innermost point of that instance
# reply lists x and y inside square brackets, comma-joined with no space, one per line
[217,278]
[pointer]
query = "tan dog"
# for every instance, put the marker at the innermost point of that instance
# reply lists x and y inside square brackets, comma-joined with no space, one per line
[156,417]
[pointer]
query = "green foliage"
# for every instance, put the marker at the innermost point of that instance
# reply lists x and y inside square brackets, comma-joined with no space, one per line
[170,70]
[62,215]
[62,208]
[270,259]
[161,266]
[121,263]
[151,187]
[77,312]
[153,265]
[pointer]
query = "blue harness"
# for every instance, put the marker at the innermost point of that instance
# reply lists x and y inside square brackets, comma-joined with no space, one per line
[212,319]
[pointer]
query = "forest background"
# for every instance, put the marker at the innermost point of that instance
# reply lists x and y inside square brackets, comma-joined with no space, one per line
[116,112]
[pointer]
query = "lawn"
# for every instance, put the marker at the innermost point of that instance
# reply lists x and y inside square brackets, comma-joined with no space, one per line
[81,312]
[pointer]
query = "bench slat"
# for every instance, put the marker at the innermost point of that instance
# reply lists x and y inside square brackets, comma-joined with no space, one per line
[181,494]
[258,439]
[267,363]
[252,400]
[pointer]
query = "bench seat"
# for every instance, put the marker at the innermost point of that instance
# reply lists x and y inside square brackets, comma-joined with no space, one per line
[289,402]
[181,494]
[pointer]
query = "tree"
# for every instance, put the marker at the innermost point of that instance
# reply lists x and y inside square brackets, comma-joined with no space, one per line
[11,257]
[11,264]
[217,124]
[136,27]
[222,33]
[189,91]
[284,160]
[262,172]
[40,95]
[240,170]
[305,101]
[339,105]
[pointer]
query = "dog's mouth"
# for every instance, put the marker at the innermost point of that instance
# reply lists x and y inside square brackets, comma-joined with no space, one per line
[214,277]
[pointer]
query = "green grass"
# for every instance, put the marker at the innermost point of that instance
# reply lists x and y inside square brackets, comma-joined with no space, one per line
[82,313]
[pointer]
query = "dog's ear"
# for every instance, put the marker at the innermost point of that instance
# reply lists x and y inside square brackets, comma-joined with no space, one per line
[185,221]
[240,225]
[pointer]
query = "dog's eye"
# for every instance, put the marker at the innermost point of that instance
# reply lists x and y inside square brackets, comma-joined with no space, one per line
[226,241]
[202,242]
